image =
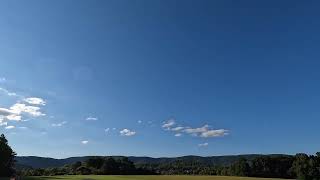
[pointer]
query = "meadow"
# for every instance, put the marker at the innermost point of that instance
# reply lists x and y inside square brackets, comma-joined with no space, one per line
[104,177]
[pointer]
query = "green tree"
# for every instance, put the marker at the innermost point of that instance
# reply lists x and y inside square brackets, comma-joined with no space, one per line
[301,166]
[95,163]
[6,158]
[240,168]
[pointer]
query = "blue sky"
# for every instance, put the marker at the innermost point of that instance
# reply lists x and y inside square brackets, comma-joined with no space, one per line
[159,78]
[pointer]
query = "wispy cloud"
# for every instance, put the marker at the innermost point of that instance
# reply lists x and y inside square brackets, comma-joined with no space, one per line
[107,130]
[139,121]
[7,92]
[59,124]
[127,132]
[9,127]
[91,119]
[206,132]
[178,135]
[179,128]
[203,144]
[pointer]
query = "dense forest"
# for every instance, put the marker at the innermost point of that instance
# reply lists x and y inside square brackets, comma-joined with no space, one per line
[301,166]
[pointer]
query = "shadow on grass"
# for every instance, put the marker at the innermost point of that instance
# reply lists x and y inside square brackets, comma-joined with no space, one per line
[48,178]
[43,178]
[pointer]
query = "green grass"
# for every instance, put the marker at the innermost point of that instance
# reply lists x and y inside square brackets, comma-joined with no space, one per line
[142,178]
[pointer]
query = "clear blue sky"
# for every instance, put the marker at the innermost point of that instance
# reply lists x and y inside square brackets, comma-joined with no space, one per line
[160,78]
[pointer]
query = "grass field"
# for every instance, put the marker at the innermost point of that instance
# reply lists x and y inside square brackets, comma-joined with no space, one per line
[143,178]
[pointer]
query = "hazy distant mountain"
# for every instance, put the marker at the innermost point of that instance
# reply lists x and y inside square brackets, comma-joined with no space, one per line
[42,162]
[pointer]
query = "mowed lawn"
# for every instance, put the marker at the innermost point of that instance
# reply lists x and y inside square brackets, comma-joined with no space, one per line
[142,178]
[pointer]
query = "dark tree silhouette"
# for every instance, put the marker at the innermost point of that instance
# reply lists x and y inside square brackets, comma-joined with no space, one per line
[6,158]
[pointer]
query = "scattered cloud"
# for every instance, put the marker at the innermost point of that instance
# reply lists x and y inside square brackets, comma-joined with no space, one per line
[139,121]
[84,142]
[204,131]
[59,124]
[127,132]
[203,144]
[22,127]
[214,133]
[91,119]
[9,127]
[107,130]
[35,101]
[168,124]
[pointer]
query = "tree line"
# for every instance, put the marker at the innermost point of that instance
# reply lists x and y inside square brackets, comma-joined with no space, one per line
[301,166]
[94,165]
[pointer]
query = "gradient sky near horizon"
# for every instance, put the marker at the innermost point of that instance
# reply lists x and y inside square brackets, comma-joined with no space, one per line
[160,78]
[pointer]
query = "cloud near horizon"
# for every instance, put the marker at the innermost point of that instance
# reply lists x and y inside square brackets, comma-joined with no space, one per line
[204,131]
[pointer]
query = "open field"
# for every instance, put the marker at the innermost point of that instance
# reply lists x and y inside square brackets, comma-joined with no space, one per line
[143,178]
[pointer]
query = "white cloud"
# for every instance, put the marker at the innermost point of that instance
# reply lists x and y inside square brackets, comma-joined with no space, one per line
[15,112]
[204,131]
[22,127]
[107,130]
[9,127]
[91,119]
[14,117]
[84,142]
[214,133]
[59,124]
[20,108]
[139,121]
[127,132]
[179,128]
[168,124]
[35,101]
[197,130]
[203,144]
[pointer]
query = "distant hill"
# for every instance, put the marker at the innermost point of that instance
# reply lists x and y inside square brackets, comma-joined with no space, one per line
[42,162]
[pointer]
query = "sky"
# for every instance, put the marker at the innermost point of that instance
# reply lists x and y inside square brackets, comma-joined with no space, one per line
[160,78]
